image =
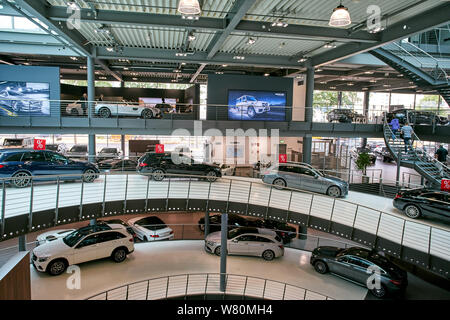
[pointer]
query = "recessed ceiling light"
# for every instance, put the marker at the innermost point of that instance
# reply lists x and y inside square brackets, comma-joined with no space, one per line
[332,88]
[340,17]
[177,71]
[125,68]
[301,60]
[280,23]
[219,72]
[74,58]
[224,65]
[251,41]
[318,70]
[183,63]
[368,72]
[135,79]
[329,45]
[266,74]
[350,84]
[191,36]
[376,30]
[373,81]
[238,57]
[189,17]
[110,49]
[365,89]
[181,54]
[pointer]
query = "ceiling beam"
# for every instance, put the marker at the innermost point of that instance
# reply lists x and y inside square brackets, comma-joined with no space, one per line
[197,73]
[416,24]
[239,10]
[167,55]
[39,9]
[133,19]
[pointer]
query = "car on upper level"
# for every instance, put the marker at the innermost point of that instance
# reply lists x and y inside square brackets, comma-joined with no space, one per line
[118,165]
[250,106]
[150,228]
[247,241]
[82,245]
[126,109]
[345,116]
[56,147]
[363,267]
[159,165]
[416,203]
[79,151]
[25,165]
[108,153]
[355,152]
[303,176]
[285,231]
[416,117]
[17,143]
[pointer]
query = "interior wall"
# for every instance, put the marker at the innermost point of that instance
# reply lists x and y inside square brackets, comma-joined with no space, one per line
[219,85]
[298,103]
[15,282]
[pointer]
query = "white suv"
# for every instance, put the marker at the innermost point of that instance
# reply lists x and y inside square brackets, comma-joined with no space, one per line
[82,245]
[251,106]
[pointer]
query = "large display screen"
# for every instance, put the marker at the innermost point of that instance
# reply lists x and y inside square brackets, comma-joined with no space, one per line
[19,98]
[256,105]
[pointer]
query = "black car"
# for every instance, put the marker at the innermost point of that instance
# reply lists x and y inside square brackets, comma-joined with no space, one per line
[416,117]
[357,265]
[285,231]
[117,165]
[386,154]
[422,202]
[359,150]
[159,164]
[345,116]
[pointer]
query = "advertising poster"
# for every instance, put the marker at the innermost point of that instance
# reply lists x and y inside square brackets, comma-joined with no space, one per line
[19,98]
[256,105]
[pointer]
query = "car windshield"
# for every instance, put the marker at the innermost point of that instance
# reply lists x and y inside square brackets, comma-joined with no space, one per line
[235,232]
[78,149]
[109,150]
[251,98]
[12,142]
[73,238]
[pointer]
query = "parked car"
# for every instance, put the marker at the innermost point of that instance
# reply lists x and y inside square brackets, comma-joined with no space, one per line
[17,143]
[22,164]
[386,155]
[285,231]
[416,203]
[247,241]
[106,110]
[56,147]
[119,222]
[416,117]
[108,153]
[302,176]
[118,165]
[85,244]
[345,115]
[353,264]
[52,236]
[78,151]
[150,228]
[250,106]
[74,109]
[159,164]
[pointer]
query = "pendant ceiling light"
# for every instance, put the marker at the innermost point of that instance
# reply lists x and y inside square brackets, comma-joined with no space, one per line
[189,7]
[340,17]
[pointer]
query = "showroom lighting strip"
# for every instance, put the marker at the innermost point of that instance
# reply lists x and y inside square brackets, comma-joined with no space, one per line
[239,58]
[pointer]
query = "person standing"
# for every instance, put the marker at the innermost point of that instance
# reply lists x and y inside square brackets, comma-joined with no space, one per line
[84,102]
[101,98]
[407,132]
[441,156]
[395,125]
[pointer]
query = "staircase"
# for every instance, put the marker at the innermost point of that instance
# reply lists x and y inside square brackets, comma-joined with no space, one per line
[415,157]
[416,65]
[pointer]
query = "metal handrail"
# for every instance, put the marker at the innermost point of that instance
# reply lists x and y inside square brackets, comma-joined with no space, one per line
[312,206]
[210,280]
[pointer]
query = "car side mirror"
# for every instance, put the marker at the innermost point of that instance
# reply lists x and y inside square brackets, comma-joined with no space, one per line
[316,176]
[235,240]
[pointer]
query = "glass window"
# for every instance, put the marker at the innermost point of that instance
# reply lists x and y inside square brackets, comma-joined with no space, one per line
[109,236]
[22,23]
[14,157]
[247,237]
[434,196]
[88,241]
[262,239]
[78,149]
[34,156]
[55,157]
[5,22]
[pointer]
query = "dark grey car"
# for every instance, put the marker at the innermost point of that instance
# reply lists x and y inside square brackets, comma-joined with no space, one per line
[302,176]
[361,266]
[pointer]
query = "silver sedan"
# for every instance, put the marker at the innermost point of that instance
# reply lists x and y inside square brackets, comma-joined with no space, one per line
[247,241]
[303,176]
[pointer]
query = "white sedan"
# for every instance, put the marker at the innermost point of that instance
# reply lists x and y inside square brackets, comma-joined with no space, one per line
[150,228]
[106,110]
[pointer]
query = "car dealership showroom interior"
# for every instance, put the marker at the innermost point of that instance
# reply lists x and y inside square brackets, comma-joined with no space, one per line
[225,150]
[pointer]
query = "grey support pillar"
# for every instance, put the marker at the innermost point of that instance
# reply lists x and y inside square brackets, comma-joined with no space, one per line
[91,148]
[223,251]
[309,96]
[122,144]
[206,226]
[366,115]
[23,243]
[90,85]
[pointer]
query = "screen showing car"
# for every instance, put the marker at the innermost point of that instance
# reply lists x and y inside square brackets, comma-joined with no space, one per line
[256,105]
[19,98]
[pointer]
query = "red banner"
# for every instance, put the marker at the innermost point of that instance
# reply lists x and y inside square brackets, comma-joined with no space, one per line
[159,148]
[39,144]
[445,184]
[282,158]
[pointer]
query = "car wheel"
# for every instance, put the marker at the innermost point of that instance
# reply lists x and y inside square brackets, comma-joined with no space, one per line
[89,175]
[119,255]
[334,192]
[217,251]
[321,267]
[147,114]
[380,292]
[56,267]
[74,112]
[279,183]
[251,112]
[104,113]
[211,176]
[268,255]
[21,179]
[158,174]
[412,211]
